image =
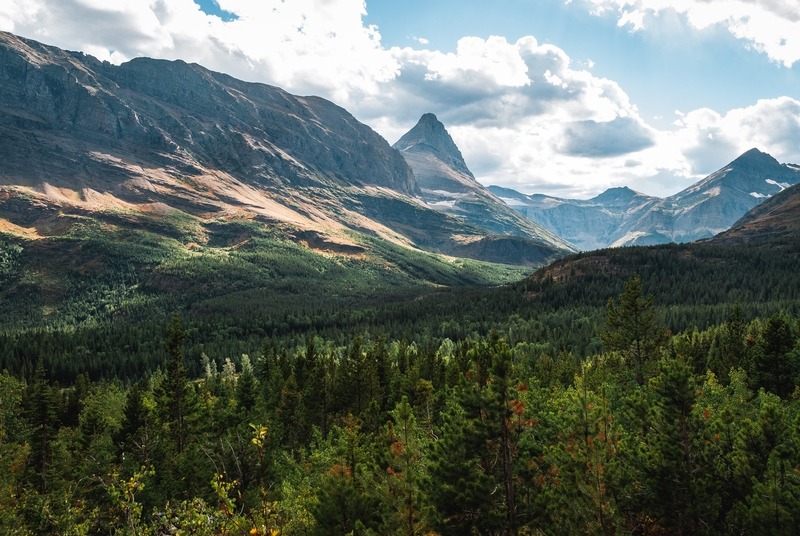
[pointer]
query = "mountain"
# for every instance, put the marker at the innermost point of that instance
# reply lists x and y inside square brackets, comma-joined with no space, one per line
[620,216]
[136,190]
[589,224]
[154,139]
[774,219]
[448,185]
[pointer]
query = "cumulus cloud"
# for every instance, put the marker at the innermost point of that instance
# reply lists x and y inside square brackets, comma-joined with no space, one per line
[523,113]
[309,46]
[619,136]
[771,26]
[706,137]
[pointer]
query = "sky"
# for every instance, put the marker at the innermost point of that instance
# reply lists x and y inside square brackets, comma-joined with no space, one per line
[543,96]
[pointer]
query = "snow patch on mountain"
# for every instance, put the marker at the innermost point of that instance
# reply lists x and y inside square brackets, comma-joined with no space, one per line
[781,185]
[510,201]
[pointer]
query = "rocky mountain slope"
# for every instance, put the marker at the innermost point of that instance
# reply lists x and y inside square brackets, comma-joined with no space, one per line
[448,185]
[129,145]
[776,218]
[620,216]
[589,224]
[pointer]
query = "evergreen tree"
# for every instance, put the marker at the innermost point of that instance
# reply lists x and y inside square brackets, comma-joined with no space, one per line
[174,388]
[405,468]
[41,411]
[735,332]
[631,327]
[133,435]
[246,386]
[775,366]
[478,454]
[678,468]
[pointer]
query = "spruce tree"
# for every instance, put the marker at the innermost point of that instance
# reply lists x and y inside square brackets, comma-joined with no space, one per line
[174,387]
[41,411]
[631,327]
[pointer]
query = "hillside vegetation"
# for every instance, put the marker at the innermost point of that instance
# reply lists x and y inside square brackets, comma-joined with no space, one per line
[503,433]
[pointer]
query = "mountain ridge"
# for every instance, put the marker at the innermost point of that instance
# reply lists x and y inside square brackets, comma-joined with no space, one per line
[777,218]
[702,210]
[447,184]
[84,138]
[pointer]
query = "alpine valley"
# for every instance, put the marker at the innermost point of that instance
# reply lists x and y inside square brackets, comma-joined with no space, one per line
[155,177]
[226,309]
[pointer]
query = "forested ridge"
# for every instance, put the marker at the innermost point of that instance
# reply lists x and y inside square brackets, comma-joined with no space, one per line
[637,391]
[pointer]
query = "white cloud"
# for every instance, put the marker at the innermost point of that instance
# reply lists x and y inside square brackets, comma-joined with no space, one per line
[708,139]
[523,114]
[771,26]
[311,46]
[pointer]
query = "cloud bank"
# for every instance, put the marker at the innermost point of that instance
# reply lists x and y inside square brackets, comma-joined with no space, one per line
[770,26]
[523,114]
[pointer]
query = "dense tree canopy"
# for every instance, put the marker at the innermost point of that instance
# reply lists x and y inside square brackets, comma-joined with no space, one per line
[499,432]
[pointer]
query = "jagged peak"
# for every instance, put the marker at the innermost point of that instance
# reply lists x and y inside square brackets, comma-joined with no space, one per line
[430,135]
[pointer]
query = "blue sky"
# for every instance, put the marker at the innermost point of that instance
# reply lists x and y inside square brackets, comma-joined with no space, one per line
[670,67]
[542,96]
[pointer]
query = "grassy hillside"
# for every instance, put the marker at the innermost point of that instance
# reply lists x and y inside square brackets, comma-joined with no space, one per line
[97,272]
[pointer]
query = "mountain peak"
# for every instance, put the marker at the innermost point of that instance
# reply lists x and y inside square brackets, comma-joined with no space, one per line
[616,193]
[754,157]
[621,194]
[429,135]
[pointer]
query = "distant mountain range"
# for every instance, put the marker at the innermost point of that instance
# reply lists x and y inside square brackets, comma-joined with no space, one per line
[622,217]
[129,144]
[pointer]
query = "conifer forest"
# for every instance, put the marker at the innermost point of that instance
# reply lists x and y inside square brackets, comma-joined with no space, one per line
[647,391]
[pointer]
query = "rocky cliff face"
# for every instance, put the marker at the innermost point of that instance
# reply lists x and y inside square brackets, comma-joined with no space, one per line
[192,118]
[149,137]
[620,216]
[447,184]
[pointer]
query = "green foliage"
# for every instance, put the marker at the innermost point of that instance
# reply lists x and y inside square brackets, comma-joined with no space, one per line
[631,328]
[412,409]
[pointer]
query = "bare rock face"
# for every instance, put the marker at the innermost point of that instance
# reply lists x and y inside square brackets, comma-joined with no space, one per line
[622,217]
[447,184]
[714,204]
[429,137]
[190,114]
[153,139]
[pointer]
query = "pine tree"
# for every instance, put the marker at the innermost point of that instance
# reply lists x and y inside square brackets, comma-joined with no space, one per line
[478,454]
[133,435]
[735,332]
[678,467]
[174,387]
[631,328]
[405,467]
[41,407]
[246,386]
[776,366]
